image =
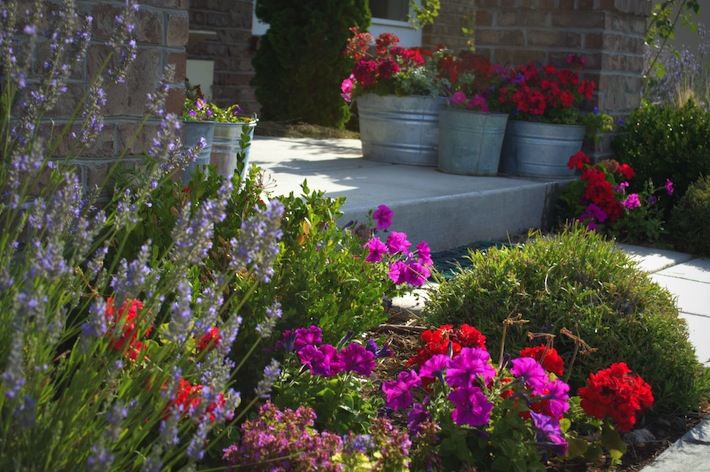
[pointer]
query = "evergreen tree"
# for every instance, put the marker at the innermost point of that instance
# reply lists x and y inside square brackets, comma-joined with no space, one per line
[300,62]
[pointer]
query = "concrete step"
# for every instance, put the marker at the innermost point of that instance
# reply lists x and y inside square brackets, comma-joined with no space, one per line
[445,210]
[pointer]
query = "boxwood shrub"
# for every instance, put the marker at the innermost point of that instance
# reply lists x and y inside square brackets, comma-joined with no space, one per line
[579,281]
[690,219]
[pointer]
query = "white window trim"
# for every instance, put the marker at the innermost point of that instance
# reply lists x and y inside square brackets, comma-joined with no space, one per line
[407,34]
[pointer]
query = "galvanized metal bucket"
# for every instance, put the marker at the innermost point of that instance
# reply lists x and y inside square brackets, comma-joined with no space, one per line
[400,130]
[192,132]
[470,141]
[225,147]
[534,149]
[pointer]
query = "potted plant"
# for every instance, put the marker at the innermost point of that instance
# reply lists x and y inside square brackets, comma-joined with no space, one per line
[399,93]
[226,131]
[233,132]
[472,126]
[197,130]
[548,125]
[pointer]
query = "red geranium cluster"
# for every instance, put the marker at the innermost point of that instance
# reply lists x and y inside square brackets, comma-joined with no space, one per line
[447,340]
[124,326]
[616,393]
[547,357]
[189,397]
[211,339]
[379,73]
[550,94]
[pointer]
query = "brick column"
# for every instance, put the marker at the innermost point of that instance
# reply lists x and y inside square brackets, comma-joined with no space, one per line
[161,33]
[608,33]
[232,49]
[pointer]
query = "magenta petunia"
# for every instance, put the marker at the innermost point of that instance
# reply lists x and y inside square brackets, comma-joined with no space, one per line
[323,360]
[557,395]
[435,367]
[458,98]
[632,201]
[397,242]
[357,359]
[399,392]
[669,187]
[376,249]
[416,273]
[471,406]
[548,433]
[532,372]
[416,416]
[465,368]
[383,217]
[425,254]
[397,272]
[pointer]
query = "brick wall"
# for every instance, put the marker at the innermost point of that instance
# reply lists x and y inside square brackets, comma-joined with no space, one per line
[161,35]
[231,50]
[454,26]
[608,33]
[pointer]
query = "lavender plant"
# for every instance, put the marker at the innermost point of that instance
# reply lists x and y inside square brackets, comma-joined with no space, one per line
[117,363]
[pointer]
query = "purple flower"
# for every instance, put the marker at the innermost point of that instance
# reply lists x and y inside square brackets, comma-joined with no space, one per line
[669,187]
[416,416]
[465,368]
[324,360]
[307,337]
[652,199]
[399,392]
[383,216]
[397,272]
[357,359]
[376,249]
[548,433]
[435,367]
[532,372]
[621,188]
[416,273]
[424,253]
[397,242]
[632,201]
[458,98]
[594,212]
[379,352]
[472,406]
[557,394]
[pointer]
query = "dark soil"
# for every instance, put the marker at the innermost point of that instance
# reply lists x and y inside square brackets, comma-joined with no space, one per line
[403,331]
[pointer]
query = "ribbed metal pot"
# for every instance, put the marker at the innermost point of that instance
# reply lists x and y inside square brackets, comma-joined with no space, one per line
[225,147]
[534,149]
[470,141]
[400,130]
[192,131]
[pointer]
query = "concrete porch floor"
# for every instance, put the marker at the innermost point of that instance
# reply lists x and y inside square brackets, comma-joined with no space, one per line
[445,210]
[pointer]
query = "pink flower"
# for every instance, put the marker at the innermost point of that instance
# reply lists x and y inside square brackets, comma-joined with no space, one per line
[397,242]
[399,392]
[632,201]
[669,187]
[347,88]
[383,217]
[458,98]
[472,406]
[397,272]
[376,250]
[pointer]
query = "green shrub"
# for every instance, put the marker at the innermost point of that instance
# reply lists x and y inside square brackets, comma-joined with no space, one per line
[300,65]
[578,281]
[690,219]
[665,142]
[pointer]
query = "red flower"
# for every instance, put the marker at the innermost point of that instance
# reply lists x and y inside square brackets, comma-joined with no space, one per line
[548,358]
[626,171]
[130,325]
[188,397]
[616,393]
[445,339]
[578,161]
[209,340]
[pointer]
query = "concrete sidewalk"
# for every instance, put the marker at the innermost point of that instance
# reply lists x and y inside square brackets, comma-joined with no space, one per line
[453,210]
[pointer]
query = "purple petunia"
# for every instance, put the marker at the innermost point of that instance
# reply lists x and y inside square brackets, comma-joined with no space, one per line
[669,187]
[398,272]
[548,433]
[557,395]
[416,416]
[323,360]
[399,392]
[471,406]
[424,253]
[632,201]
[465,368]
[397,242]
[376,249]
[435,367]
[383,217]
[357,359]
[532,372]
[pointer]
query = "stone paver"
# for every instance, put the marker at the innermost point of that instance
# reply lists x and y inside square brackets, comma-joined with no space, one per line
[690,454]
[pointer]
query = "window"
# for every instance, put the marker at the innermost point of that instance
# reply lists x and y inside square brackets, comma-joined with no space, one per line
[397,10]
